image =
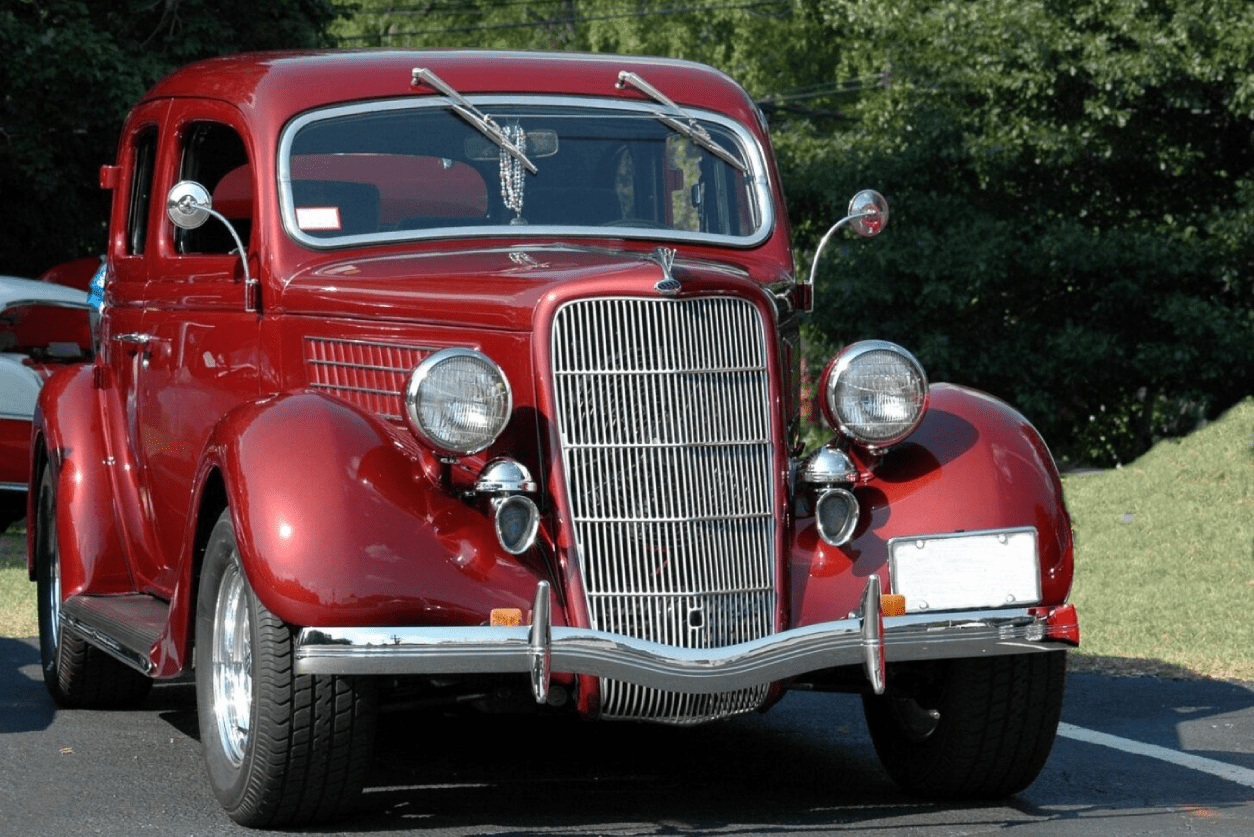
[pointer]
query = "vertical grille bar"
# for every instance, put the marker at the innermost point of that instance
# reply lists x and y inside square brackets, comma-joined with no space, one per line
[664,424]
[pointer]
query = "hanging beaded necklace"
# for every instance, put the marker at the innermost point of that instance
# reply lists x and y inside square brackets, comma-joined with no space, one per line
[512,172]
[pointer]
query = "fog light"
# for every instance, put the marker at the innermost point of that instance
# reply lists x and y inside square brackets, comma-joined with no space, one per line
[836,512]
[504,476]
[517,519]
[828,466]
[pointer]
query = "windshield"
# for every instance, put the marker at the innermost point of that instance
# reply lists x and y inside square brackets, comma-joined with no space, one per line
[386,171]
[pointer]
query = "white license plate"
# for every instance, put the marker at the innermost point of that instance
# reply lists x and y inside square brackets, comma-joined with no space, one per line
[966,570]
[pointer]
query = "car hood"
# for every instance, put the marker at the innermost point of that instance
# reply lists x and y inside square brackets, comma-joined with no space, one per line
[497,287]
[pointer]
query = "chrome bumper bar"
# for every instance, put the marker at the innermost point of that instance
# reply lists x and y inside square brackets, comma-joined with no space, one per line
[868,638]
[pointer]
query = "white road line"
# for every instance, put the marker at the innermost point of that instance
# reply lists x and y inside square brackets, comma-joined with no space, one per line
[1240,775]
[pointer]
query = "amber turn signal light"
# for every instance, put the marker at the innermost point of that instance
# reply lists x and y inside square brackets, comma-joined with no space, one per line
[892,604]
[505,617]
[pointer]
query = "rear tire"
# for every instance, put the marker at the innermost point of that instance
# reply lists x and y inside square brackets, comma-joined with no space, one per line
[969,728]
[281,749]
[77,674]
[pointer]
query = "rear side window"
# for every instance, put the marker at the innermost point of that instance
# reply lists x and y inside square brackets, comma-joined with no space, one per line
[141,192]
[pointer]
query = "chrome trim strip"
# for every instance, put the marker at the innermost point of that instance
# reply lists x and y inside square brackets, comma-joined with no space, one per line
[13,486]
[49,303]
[481,649]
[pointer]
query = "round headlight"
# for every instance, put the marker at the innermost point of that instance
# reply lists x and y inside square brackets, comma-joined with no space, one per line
[458,401]
[875,393]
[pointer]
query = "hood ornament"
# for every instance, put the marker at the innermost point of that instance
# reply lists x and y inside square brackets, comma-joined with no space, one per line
[524,259]
[664,257]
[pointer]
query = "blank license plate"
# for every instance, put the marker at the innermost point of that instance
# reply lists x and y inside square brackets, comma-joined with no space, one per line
[966,570]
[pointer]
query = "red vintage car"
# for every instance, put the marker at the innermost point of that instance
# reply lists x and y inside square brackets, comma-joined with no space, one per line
[475,377]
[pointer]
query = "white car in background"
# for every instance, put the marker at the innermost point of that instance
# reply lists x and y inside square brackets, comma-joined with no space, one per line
[43,326]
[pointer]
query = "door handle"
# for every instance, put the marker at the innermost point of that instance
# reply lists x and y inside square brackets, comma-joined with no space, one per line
[135,338]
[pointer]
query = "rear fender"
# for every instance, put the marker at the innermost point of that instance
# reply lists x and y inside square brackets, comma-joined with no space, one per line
[338,523]
[68,435]
[974,463]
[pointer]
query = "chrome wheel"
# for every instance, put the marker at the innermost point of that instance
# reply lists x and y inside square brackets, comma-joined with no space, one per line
[53,592]
[233,665]
[281,748]
[48,556]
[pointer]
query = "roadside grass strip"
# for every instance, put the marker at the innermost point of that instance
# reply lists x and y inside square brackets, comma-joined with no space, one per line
[1164,557]
[1230,772]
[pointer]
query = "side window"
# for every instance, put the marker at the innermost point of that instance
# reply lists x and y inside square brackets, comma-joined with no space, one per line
[141,192]
[214,156]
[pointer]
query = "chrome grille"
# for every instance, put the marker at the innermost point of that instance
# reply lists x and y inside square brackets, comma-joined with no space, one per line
[368,374]
[663,415]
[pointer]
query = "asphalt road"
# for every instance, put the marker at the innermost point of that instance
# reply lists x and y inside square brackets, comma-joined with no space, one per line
[1135,756]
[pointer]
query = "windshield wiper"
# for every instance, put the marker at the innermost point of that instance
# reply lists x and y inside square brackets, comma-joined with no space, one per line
[463,108]
[690,129]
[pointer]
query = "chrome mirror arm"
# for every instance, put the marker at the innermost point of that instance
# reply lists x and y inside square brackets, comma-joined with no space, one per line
[868,212]
[187,206]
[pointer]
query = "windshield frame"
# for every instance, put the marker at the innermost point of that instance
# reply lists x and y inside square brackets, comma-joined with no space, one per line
[757,177]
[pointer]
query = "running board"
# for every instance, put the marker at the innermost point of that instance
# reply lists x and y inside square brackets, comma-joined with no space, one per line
[125,627]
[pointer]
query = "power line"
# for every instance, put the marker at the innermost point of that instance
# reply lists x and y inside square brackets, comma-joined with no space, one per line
[484,27]
[459,8]
[470,7]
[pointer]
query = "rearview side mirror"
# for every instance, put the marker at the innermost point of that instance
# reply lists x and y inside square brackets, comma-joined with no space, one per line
[867,216]
[188,206]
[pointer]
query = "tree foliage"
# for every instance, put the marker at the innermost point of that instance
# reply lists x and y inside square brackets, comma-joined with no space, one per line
[1072,181]
[1074,186]
[70,70]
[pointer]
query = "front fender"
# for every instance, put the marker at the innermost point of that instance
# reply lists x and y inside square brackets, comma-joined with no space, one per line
[338,523]
[974,463]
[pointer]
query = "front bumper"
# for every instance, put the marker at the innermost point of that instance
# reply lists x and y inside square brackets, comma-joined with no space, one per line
[868,638]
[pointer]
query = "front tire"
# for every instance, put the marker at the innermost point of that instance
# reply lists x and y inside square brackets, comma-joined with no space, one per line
[77,674]
[969,728]
[281,748]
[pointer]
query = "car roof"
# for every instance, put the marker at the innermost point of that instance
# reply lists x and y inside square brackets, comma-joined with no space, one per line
[280,84]
[15,290]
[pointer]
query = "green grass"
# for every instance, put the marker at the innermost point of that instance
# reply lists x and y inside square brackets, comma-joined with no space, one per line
[1164,559]
[17,594]
[1165,555]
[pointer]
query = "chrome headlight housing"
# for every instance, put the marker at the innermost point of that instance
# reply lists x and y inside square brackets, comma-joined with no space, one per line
[458,401]
[875,392]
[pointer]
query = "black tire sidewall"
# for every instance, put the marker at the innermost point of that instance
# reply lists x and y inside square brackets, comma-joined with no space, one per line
[963,757]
